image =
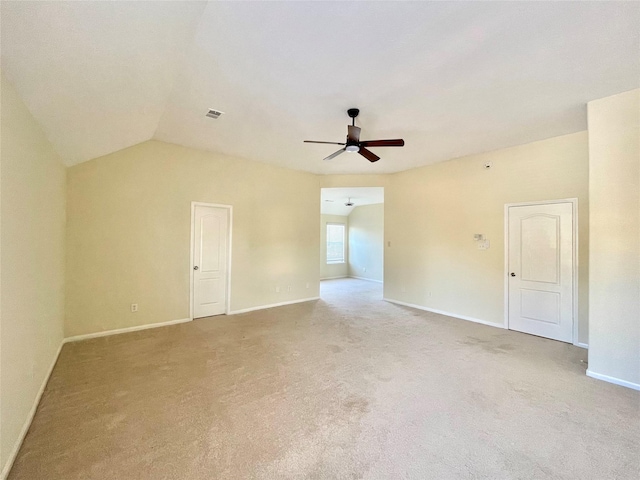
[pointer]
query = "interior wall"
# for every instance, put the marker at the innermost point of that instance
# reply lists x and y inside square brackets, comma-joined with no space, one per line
[339,181]
[333,270]
[432,213]
[129,229]
[366,242]
[32,254]
[614,205]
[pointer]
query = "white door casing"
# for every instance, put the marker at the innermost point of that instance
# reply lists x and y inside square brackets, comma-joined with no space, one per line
[541,268]
[210,255]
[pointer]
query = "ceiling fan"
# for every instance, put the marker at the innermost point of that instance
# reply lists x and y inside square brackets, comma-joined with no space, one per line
[353,143]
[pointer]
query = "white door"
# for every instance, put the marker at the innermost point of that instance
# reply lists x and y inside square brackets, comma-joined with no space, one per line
[210,255]
[540,261]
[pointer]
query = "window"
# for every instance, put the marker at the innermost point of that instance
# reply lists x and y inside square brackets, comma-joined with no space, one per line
[335,243]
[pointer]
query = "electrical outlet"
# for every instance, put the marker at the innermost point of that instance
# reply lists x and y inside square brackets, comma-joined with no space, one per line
[134,307]
[307,284]
[277,289]
[364,269]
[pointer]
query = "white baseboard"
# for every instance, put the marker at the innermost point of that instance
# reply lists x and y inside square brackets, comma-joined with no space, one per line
[448,314]
[614,380]
[281,304]
[367,279]
[25,427]
[582,345]
[106,333]
[334,278]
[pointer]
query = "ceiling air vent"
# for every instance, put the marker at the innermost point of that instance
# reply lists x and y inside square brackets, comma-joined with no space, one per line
[214,113]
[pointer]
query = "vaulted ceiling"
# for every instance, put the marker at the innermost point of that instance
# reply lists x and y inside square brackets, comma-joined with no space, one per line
[451,78]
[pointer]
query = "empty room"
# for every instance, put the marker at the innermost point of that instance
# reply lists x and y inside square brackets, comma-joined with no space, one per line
[319,240]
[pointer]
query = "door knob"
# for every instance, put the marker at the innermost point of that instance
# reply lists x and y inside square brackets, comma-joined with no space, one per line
[196,267]
[512,274]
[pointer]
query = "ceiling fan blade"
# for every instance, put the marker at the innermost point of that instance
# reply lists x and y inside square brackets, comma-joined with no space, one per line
[353,134]
[372,157]
[333,155]
[383,143]
[331,143]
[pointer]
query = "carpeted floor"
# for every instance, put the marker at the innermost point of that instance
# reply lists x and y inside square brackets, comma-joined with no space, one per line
[347,387]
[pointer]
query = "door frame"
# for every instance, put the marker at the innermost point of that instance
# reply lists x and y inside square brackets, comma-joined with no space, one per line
[574,307]
[192,245]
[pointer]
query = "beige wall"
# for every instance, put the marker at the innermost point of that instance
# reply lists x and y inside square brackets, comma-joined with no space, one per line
[339,181]
[32,258]
[128,233]
[614,204]
[333,270]
[432,213]
[366,240]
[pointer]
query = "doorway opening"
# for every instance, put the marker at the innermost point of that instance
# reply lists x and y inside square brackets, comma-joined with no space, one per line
[352,233]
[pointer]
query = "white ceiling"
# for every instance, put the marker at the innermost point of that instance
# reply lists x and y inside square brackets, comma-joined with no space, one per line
[332,200]
[96,75]
[451,78]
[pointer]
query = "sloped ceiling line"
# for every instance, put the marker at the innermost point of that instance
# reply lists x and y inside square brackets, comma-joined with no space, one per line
[451,78]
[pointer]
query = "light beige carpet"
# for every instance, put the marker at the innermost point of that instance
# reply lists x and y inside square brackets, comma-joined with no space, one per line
[347,387]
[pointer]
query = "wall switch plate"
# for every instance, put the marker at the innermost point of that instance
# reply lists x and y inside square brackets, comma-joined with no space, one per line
[134,307]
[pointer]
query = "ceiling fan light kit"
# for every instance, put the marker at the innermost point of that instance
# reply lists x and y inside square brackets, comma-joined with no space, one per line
[353,143]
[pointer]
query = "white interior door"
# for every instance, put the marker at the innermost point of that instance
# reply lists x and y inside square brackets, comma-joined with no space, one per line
[540,261]
[210,259]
